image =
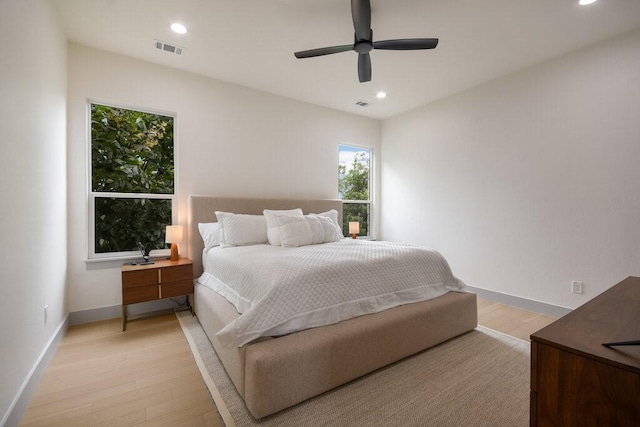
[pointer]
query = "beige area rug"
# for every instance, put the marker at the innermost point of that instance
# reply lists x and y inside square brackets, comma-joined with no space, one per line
[478,379]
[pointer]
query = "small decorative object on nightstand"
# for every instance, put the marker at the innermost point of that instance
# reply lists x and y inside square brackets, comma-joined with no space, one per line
[144,251]
[164,279]
[173,235]
[354,229]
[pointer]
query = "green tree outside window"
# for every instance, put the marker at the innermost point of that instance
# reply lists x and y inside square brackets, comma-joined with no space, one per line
[132,177]
[353,186]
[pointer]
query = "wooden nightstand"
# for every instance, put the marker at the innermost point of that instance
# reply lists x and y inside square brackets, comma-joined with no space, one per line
[164,279]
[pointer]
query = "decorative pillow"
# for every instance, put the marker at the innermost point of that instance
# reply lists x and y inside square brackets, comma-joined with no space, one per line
[210,232]
[333,216]
[317,231]
[273,234]
[294,231]
[306,230]
[241,229]
[331,233]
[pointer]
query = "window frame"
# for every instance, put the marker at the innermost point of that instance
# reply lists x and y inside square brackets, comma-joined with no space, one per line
[369,201]
[92,195]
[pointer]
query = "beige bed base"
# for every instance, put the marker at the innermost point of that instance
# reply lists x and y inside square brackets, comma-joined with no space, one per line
[275,373]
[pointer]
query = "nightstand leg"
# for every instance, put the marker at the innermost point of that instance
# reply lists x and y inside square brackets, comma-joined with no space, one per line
[190,306]
[124,318]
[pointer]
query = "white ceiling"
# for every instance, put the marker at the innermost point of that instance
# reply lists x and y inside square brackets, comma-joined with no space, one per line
[251,42]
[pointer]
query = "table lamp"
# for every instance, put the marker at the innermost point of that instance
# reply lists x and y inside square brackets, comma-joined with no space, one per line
[354,229]
[173,235]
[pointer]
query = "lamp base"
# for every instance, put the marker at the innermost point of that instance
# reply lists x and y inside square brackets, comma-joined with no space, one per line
[174,252]
[354,236]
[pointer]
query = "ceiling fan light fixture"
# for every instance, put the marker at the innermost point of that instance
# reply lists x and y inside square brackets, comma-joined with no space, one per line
[586,2]
[364,44]
[178,28]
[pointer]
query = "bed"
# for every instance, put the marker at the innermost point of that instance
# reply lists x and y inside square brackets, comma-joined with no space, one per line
[274,373]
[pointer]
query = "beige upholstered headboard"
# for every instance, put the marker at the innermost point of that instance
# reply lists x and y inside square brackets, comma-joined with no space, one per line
[203,208]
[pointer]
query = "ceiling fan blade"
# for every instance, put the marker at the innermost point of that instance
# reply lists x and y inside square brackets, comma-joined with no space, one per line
[361,13]
[364,67]
[323,51]
[406,44]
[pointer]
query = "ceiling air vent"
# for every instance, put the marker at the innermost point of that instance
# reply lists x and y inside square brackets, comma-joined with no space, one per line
[363,104]
[169,47]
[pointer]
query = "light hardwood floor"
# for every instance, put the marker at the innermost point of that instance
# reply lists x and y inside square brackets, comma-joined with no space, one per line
[147,376]
[510,320]
[101,376]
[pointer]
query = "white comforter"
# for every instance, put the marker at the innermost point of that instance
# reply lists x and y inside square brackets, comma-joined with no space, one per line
[282,290]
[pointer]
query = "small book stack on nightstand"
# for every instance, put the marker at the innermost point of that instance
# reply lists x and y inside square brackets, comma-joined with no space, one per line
[163,279]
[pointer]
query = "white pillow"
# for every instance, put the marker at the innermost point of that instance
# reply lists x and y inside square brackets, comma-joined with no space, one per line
[273,234]
[294,231]
[331,233]
[333,216]
[241,229]
[306,230]
[317,231]
[210,232]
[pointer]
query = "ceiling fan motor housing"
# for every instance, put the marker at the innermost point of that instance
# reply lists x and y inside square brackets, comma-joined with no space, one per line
[363,46]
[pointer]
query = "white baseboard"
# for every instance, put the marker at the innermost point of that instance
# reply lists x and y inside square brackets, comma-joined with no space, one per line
[21,401]
[527,304]
[104,313]
[94,315]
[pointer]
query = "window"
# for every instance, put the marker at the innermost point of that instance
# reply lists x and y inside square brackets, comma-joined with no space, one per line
[132,189]
[354,166]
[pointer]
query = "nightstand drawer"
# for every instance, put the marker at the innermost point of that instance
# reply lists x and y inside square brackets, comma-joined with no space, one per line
[173,274]
[174,289]
[140,294]
[136,278]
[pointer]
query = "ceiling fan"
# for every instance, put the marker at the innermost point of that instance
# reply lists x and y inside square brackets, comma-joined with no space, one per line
[363,44]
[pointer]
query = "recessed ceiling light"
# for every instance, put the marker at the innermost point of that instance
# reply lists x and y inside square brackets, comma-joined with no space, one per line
[381,95]
[586,2]
[178,28]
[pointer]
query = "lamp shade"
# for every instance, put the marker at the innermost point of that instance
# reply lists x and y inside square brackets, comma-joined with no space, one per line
[354,227]
[174,234]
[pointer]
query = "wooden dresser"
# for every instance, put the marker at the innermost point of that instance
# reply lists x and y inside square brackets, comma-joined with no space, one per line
[162,279]
[575,380]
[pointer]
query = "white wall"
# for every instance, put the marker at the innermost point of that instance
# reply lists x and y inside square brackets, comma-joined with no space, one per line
[231,141]
[33,253]
[528,182]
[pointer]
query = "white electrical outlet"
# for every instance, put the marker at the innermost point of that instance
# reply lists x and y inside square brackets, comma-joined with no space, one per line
[576,287]
[46,307]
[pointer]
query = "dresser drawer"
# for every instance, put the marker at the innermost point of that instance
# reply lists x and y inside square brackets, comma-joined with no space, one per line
[136,294]
[131,279]
[174,289]
[174,274]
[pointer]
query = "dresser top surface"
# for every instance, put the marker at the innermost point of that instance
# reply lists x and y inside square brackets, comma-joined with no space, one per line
[612,316]
[161,263]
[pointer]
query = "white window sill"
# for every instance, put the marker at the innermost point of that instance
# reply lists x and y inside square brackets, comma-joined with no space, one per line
[117,261]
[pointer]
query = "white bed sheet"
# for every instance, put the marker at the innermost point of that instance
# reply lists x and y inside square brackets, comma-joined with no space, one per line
[282,290]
